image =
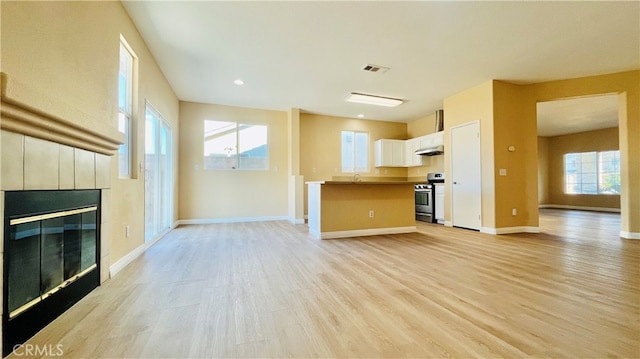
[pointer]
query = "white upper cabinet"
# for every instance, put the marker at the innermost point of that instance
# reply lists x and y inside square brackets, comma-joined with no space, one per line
[401,153]
[411,159]
[390,153]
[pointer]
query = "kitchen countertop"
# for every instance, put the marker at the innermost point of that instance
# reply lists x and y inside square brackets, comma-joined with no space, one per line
[365,182]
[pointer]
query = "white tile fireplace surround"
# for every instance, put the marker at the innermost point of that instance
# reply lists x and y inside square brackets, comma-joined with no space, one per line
[41,150]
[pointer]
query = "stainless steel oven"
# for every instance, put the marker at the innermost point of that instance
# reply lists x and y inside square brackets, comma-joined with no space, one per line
[426,198]
[424,202]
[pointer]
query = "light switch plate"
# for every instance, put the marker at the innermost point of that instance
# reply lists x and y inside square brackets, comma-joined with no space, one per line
[503,172]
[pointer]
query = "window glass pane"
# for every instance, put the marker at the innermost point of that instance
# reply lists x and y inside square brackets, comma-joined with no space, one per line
[571,164]
[149,134]
[125,77]
[125,105]
[124,154]
[348,151]
[609,172]
[253,150]
[362,151]
[588,162]
[220,145]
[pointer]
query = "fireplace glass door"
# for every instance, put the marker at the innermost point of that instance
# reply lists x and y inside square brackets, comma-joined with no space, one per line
[48,252]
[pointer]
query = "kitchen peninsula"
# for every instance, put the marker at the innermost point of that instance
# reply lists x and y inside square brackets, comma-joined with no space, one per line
[339,209]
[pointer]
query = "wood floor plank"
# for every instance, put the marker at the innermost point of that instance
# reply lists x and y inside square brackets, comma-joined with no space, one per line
[268,289]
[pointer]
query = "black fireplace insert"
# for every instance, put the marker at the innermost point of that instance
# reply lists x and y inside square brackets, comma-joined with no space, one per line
[51,252]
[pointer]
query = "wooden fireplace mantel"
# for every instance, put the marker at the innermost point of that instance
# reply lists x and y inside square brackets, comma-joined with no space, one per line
[28,120]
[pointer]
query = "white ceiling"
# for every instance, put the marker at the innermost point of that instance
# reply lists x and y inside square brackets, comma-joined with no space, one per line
[577,115]
[309,55]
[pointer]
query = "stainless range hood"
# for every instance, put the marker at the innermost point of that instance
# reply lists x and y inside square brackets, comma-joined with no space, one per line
[430,151]
[436,147]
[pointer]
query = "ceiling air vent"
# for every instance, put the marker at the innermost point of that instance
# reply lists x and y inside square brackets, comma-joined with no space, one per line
[375,68]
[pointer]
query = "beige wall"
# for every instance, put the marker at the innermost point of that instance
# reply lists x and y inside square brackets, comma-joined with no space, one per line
[558,146]
[475,104]
[627,86]
[519,188]
[320,145]
[507,114]
[66,54]
[420,127]
[232,194]
[543,170]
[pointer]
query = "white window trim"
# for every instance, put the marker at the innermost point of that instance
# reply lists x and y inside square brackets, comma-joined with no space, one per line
[128,125]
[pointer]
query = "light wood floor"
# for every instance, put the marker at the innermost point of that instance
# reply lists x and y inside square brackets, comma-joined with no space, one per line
[270,290]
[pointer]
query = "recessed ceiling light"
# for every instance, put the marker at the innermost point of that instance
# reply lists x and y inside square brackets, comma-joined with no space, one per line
[373,100]
[361,115]
[238,82]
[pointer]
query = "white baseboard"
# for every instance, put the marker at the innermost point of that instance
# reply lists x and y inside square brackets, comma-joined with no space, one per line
[296,220]
[124,261]
[509,230]
[580,208]
[365,232]
[233,220]
[448,224]
[629,235]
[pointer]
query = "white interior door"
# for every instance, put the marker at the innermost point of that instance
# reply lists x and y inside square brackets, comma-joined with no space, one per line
[158,175]
[466,204]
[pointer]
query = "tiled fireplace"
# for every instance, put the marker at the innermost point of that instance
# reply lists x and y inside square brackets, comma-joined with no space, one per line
[54,200]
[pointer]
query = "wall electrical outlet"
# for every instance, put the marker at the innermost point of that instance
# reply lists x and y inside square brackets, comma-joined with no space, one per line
[514,211]
[127,231]
[503,172]
[371,214]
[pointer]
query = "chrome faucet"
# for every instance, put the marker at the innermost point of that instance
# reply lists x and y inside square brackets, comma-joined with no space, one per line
[356,178]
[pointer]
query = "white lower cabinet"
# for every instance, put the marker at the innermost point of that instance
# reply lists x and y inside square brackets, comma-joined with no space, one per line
[439,202]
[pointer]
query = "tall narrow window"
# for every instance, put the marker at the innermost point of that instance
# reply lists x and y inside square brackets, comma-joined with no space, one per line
[355,151]
[592,172]
[125,106]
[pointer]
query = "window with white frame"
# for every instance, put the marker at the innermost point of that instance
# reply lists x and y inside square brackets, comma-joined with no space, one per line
[355,151]
[592,172]
[125,106]
[232,145]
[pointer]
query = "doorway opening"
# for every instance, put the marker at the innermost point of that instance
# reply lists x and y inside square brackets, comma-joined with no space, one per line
[158,179]
[578,158]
